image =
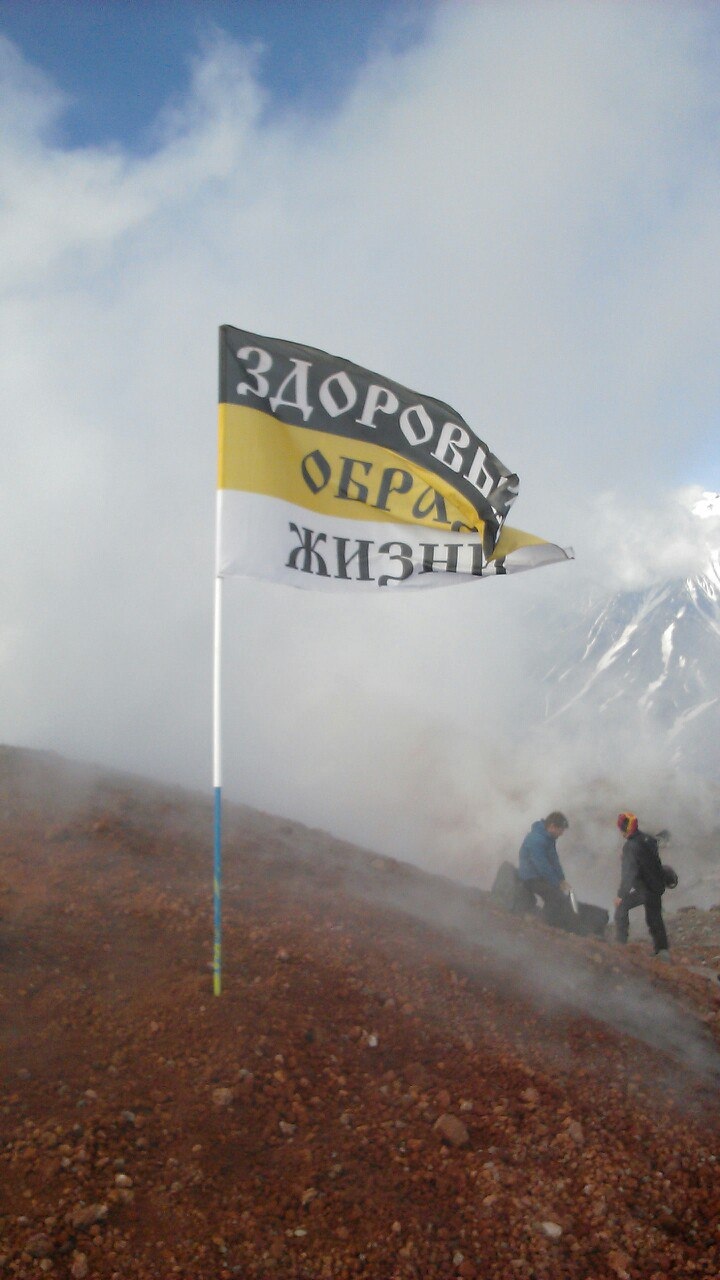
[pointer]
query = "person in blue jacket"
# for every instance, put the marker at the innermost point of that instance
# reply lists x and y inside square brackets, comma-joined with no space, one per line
[541,871]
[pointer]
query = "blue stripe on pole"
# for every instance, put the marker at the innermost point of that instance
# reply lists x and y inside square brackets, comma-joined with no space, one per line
[217,879]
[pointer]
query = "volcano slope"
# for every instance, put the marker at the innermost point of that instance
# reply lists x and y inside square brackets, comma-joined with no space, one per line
[397,1080]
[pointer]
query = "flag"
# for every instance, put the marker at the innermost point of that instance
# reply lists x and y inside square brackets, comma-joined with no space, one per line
[332,476]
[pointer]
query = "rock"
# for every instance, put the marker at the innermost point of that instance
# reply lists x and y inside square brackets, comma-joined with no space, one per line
[39,1246]
[86,1215]
[552,1230]
[619,1263]
[575,1131]
[79,1268]
[452,1130]
[223,1097]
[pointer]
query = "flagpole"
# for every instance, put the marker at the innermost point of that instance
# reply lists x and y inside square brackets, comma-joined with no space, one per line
[217,781]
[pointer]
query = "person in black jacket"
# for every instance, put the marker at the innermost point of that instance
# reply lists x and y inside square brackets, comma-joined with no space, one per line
[642,884]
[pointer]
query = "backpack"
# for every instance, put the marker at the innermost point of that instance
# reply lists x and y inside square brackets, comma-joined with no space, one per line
[509,892]
[650,868]
[671,876]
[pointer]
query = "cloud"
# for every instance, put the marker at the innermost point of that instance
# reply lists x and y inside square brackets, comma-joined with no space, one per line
[519,216]
[640,545]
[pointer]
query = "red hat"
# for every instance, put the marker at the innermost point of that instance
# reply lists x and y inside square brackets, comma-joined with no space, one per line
[627,823]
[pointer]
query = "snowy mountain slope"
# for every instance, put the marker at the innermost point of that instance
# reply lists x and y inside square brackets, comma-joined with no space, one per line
[652,657]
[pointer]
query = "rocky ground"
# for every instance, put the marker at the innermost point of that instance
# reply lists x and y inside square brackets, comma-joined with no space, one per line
[397,1081]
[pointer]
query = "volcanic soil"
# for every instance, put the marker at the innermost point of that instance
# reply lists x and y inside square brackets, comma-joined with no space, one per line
[398,1080]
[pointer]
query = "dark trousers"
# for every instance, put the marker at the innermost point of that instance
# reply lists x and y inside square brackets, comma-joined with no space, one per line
[652,902]
[557,908]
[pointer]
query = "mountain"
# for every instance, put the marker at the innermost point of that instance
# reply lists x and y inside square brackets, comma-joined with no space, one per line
[399,1080]
[651,659]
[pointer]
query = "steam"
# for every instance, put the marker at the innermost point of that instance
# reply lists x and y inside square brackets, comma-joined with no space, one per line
[640,545]
[517,215]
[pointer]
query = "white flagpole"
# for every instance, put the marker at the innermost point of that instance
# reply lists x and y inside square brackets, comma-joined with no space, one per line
[217,774]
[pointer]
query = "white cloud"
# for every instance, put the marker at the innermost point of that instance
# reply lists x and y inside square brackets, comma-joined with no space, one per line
[639,545]
[519,216]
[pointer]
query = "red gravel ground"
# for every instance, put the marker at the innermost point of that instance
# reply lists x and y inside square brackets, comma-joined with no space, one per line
[397,1080]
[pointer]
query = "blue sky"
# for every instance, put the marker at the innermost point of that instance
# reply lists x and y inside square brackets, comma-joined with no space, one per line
[514,207]
[121,67]
[119,63]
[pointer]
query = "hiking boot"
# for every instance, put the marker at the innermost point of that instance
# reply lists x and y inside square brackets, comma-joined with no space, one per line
[663,955]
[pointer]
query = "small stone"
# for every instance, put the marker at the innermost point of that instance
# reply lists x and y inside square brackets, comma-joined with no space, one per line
[222,1097]
[619,1263]
[451,1130]
[79,1268]
[39,1246]
[575,1131]
[86,1215]
[552,1230]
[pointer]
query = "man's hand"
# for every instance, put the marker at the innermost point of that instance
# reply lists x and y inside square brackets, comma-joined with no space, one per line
[566,888]
[618,902]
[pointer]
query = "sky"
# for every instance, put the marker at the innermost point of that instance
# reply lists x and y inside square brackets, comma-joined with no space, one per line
[513,207]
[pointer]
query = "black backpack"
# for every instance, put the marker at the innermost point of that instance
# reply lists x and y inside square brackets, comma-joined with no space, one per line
[509,892]
[671,876]
[650,868]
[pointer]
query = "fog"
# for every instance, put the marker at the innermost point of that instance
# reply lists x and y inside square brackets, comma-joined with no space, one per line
[519,216]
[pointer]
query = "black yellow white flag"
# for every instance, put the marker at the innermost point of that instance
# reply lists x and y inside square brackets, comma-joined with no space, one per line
[333,476]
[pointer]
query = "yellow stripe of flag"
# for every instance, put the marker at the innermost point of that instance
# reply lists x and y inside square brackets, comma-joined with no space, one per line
[331,474]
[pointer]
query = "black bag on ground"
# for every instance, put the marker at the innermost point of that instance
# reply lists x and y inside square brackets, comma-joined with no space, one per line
[512,894]
[509,892]
[591,922]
